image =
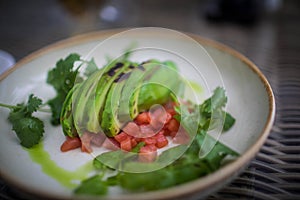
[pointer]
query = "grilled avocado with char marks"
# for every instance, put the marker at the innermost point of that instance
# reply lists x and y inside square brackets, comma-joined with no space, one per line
[115,94]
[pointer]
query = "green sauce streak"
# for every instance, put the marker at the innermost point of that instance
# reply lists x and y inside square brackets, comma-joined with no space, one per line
[49,167]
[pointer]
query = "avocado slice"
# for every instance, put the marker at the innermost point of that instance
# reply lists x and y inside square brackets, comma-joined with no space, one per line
[128,108]
[66,117]
[121,104]
[81,98]
[116,94]
[109,123]
[95,109]
[157,89]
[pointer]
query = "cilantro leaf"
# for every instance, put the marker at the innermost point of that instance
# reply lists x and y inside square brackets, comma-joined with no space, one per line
[33,104]
[62,78]
[56,105]
[28,128]
[91,68]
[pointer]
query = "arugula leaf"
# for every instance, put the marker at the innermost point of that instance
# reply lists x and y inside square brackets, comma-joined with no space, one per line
[229,121]
[212,108]
[217,101]
[92,186]
[28,128]
[62,78]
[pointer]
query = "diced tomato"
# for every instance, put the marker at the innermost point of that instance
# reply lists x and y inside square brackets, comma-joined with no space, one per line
[148,153]
[158,117]
[138,139]
[173,125]
[170,105]
[132,129]
[149,140]
[70,143]
[111,143]
[173,133]
[126,145]
[171,111]
[143,118]
[98,139]
[121,137]
[165,131]
[86,148]
[161,141]
[147,131]
[182,137]
[86,142]
[133,142]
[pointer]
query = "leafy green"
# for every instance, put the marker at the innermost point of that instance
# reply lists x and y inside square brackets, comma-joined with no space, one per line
[28,128]
[62,78]
[90,68]
[217,101]
[211,111]
[229,121]
[137,148]
[188,166]
[92,186]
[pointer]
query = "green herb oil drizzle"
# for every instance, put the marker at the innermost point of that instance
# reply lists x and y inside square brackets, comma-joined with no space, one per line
[69,179]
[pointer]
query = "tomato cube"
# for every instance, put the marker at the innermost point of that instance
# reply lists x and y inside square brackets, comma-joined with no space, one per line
[70,143]
[126,145]
[121,137]
[148,153]
[173,125]
[143,118]
[161,141]
[111,144]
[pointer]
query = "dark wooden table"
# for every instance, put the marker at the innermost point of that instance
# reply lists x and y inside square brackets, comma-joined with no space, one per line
[267,32]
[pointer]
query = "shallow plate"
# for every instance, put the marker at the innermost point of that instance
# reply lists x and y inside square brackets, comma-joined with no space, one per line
[52,174]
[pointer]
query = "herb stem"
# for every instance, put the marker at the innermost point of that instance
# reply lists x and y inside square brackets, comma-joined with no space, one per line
[44,110]
[7,106]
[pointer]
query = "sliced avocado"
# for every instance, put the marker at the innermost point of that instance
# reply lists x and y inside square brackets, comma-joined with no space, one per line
[128,108]
[157,89]
[107,100]
[109,122]
[66,117]
[81,98]
[95,109]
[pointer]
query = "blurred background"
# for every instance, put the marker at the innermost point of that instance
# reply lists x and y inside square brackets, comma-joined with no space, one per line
[266,31]
[29,25]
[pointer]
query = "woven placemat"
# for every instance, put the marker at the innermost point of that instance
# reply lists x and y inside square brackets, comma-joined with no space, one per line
[275,172]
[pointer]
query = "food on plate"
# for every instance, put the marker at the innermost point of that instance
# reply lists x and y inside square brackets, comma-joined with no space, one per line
[139,113]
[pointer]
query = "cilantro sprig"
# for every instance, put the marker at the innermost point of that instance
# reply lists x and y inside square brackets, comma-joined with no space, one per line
[29,129]
[62,78]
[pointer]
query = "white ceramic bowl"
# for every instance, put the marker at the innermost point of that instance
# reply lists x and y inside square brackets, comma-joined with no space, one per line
[250,101]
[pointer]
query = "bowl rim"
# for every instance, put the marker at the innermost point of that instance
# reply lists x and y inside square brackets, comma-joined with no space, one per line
[191,187]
